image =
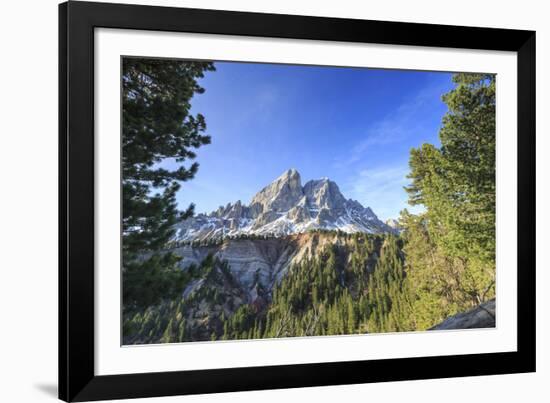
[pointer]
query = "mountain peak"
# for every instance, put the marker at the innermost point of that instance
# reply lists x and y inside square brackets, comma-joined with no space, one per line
[281,194]
[290,175]
[291,172]
[285,207]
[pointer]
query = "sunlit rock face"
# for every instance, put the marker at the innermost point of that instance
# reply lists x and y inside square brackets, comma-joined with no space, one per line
[482,316]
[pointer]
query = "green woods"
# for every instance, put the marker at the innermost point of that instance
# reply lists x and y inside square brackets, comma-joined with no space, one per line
[450,249]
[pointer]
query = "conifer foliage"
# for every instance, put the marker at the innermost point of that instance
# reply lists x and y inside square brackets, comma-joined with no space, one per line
[157,127]
[450,248]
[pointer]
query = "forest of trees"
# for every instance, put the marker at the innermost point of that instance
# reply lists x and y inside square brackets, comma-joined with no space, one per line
[441,263]
[346,290]
[356,287]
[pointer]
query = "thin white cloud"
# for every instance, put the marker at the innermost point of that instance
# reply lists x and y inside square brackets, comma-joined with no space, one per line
[394,127]
[261,107]
[382,189]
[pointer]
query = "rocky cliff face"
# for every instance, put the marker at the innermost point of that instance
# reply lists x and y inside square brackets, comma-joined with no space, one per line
[285,207]
[260,262]
[483,316]
[393,223]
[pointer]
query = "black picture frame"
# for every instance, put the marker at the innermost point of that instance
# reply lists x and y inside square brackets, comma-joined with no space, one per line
[77,21]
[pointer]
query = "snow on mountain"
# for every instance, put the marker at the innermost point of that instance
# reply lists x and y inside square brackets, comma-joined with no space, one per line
[393,223]
[282,208]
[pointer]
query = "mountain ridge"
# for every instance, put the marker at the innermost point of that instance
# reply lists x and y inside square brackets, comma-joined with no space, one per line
[282,208]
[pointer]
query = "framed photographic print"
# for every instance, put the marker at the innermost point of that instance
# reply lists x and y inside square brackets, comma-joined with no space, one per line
[255,201]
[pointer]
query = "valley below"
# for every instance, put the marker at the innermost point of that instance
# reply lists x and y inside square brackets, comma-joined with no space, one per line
[316,283]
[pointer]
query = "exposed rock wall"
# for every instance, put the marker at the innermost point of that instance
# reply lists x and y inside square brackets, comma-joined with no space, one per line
[262,261]
[483,316]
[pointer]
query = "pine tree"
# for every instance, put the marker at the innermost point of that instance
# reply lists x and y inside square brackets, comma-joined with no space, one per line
[352,317]
[182,336]
[456,183]
[451,247]
[157,125]
[168,335]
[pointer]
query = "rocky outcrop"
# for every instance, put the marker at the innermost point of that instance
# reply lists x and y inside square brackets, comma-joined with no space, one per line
[251,262]
[393,223]
[282,208]
[282,194]
[261,262]
[483,316]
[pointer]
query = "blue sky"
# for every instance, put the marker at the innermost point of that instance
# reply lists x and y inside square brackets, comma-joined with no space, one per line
[355,126]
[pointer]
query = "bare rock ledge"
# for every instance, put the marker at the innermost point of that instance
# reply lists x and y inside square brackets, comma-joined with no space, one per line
[483,316]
